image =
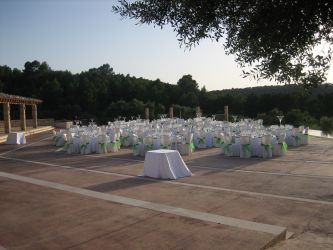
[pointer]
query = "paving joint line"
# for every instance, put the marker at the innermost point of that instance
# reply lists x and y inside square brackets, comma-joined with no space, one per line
[188,213]
[179,183]
[25,146]
[264,172]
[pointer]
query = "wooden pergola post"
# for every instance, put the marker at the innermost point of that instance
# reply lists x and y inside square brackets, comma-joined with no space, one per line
[171,112]
[198,110]
[7,100]
[34,116]
[147,113]
[226,113]
[23,122]
[6,117]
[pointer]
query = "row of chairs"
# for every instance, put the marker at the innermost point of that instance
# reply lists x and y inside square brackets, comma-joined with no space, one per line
[267,149]
[184,144]
[86,144]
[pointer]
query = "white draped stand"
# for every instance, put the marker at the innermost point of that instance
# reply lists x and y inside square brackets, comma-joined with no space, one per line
[165,164]
[16,138]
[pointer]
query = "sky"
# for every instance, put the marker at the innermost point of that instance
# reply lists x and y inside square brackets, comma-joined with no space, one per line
[77,35]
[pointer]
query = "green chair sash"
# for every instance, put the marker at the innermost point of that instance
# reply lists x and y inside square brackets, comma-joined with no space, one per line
[103,146]
[267,147]
[190,146]
[246,148]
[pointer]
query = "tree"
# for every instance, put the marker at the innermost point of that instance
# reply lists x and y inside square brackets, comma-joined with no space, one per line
[189,91]
[271,39]
[187,84]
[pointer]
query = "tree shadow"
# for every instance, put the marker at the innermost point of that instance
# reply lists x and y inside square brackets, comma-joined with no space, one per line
[122,184]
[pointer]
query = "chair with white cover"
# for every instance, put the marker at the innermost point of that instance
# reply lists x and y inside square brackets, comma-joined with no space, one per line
[235,145]
[125,139]
[281,147]
[71,145]
[173,142]
[135,144]
[65,138]
[305,136]
[201,140]
[85,144]
[60,140]
[165,142]
[227,146]
[245,146]
[179,141]
[113,143]
[209,140]
[55,137]
[188,147]
[266,146]
[102,144]
[296,137]
[147,144]
[219,141]
[103,130]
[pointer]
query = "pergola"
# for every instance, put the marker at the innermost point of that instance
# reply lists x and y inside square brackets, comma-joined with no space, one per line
[7,100]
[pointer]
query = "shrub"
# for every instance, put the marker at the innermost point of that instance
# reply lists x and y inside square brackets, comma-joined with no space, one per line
[297,118]
[326,124]
[270,117]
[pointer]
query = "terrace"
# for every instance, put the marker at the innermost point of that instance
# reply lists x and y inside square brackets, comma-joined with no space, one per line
[50,199]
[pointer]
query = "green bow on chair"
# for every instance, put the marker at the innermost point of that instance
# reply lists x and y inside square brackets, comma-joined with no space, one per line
[297,138]
[67,144]
[149,147]
[227,148]
[84,146]
[218,141]
[283,146]
[135,147]
[201,141]
[123,139]
[246,148]
[267,147]
[103,146]
[114,145]
[190,146]
[56,139]
[306,137]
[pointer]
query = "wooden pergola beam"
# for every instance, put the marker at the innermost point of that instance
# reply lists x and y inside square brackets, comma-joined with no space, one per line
[15,99]
[7,100]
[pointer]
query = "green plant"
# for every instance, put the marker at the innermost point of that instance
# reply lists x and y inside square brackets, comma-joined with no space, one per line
[297,118]
[326,124]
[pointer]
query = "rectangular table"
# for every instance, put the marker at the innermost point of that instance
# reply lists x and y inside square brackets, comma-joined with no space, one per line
[16,138]
[165,164]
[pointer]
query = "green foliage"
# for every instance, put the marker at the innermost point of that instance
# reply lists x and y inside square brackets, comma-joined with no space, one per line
[183,111]
[270,117]
[101,94]
[326,124]
[274,39]
[297,118]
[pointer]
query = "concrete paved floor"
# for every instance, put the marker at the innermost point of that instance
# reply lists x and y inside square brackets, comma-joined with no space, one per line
[294,191]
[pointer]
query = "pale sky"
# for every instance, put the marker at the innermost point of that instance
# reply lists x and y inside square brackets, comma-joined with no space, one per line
[76,35]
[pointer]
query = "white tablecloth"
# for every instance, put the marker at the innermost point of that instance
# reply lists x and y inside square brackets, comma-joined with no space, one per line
[165,164]
[16,138]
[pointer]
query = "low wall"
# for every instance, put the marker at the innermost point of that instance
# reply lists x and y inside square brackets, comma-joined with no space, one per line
[319,133]
[63,124]
[41,122]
